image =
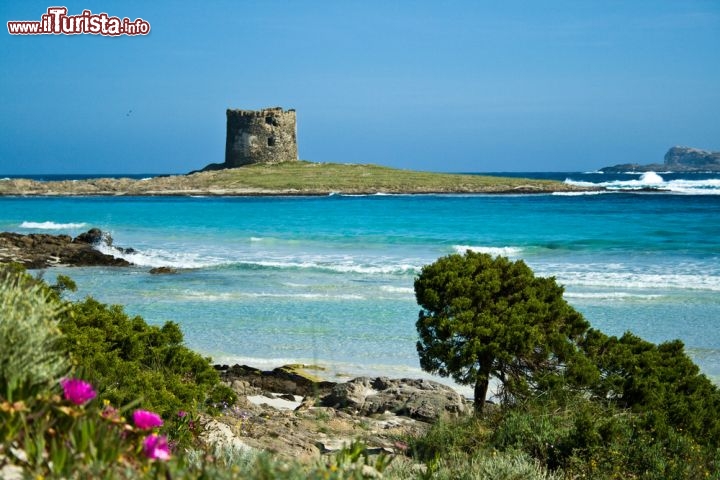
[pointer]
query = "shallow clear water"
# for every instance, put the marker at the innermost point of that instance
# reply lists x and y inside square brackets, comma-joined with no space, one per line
[329,280]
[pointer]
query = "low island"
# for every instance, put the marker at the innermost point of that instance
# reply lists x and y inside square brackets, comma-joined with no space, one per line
[289,178]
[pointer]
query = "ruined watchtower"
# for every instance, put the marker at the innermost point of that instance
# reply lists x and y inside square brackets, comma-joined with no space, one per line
[260,136]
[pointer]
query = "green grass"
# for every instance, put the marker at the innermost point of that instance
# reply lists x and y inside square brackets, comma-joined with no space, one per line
[355,178]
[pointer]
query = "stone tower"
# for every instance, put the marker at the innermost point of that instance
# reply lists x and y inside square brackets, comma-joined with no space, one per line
[260,136]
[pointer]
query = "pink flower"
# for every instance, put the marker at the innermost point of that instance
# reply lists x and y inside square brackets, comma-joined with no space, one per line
[145,420]
[77,391]
[156,447]
[182,413]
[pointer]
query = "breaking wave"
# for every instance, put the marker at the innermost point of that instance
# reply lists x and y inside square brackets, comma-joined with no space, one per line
[51,225]
[393,289]
[653,181]
[231,296]
[643,281]
[495,251]
[386,269]
[611,296]
[163,258]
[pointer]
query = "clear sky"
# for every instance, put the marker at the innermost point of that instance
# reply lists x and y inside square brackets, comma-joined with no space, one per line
[431,85]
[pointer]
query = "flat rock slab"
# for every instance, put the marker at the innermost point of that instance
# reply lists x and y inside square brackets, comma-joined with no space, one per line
[276,401]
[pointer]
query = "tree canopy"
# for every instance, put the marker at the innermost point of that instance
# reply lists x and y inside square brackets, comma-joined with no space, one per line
[484,317]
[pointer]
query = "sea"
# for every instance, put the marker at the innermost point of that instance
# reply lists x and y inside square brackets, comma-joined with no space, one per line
[328,281]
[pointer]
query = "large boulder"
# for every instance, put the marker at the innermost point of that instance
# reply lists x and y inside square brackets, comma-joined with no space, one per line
[94,236]
[415,398]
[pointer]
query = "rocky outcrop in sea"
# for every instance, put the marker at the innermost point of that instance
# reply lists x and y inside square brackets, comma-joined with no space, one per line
[677,159]
[41,250]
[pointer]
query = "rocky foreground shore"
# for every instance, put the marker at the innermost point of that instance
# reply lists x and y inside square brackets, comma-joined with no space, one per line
[290,413]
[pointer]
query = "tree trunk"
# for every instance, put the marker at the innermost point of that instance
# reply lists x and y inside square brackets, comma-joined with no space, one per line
[481,388]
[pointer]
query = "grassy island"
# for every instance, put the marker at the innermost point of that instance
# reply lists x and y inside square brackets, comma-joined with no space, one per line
[290,178]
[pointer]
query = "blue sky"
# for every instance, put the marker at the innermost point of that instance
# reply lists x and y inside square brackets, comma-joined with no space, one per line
[442,86]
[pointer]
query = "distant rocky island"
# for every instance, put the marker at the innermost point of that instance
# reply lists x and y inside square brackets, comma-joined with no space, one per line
[677,159]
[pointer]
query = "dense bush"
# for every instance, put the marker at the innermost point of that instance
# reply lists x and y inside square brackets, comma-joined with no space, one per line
[130,360]
[573,437]
[125,358]
[659,381]
[32,357]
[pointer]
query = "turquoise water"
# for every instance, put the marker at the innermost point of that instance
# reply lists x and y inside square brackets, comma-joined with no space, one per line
[328,280]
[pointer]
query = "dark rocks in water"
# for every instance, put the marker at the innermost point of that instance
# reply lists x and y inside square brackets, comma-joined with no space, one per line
[94,236]
[41,250]
[415,398]
[162,270]
[677,159]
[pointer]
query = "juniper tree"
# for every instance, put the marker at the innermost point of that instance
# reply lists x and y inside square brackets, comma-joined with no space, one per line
[484,317]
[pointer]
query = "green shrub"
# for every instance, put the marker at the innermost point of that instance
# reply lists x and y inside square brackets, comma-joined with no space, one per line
[132,361]
[538,434]
[492,466]
[658,381]
[447,437]
[32,357]
[585,438]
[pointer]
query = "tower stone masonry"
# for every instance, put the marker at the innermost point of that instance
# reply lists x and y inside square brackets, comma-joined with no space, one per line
[260,136]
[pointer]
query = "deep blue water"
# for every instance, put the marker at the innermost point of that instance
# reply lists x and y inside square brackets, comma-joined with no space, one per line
[270,280]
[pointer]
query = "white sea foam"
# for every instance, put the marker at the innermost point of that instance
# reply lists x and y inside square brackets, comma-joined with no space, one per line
[611,296]
[496,251]
[394,289]
[162,258]
[631,280]
[652,180]
[577,194]
[230,296]
[347,267]
[51,225]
